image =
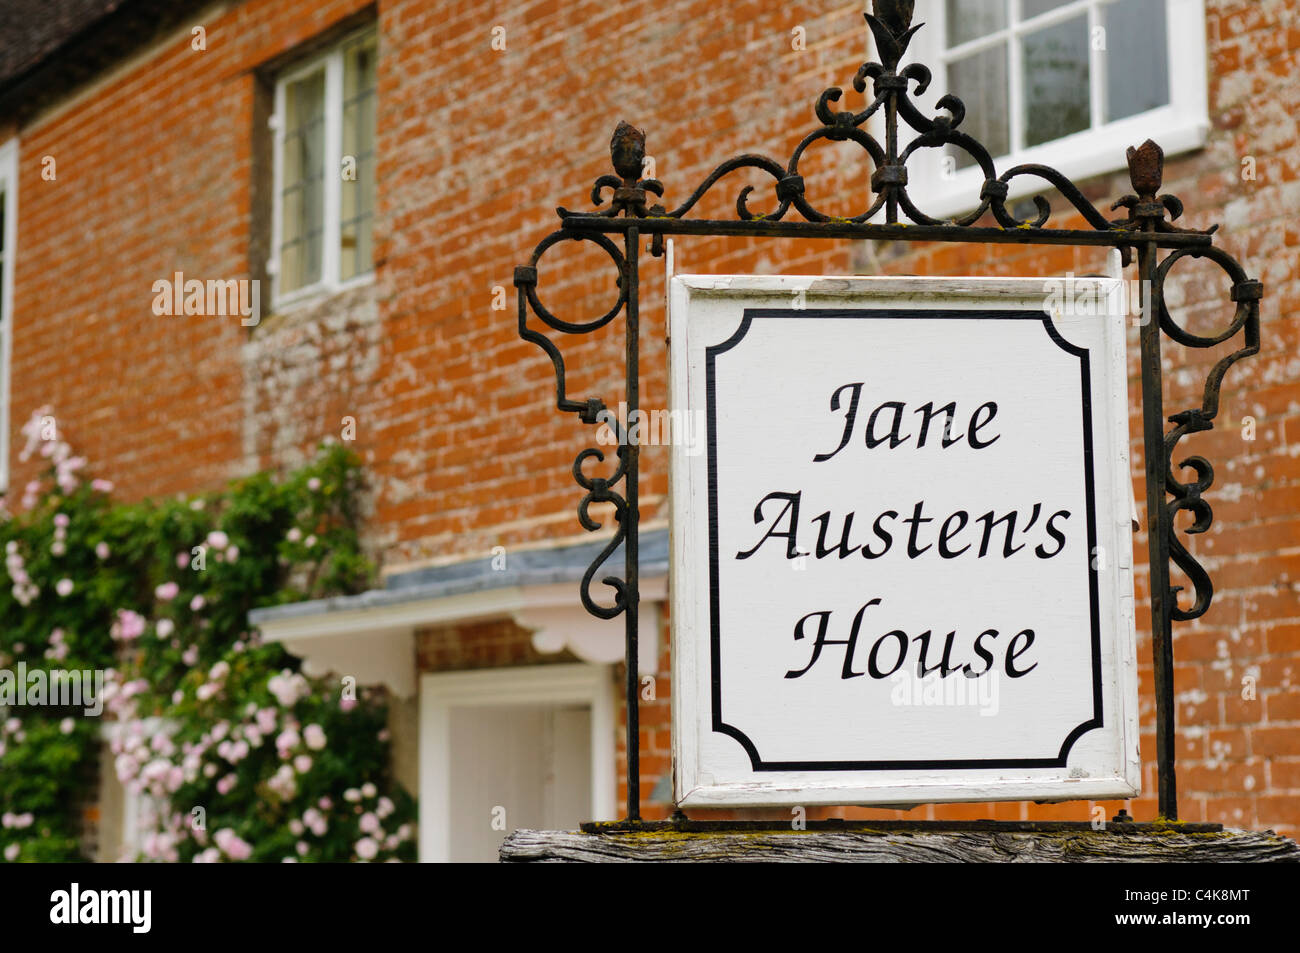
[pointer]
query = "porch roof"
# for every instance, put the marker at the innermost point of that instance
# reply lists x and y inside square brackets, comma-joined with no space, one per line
[371,635]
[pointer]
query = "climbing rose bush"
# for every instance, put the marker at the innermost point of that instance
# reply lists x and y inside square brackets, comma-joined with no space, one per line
[237,755]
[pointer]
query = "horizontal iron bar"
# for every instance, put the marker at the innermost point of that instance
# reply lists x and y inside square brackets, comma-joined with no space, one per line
[907,233]
[914,827]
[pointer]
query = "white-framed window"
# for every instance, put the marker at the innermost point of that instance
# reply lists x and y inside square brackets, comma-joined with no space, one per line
[8,237]
[125,814]
[324,190]
[1065,83]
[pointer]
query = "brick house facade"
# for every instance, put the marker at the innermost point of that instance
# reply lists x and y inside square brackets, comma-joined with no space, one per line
[158,155]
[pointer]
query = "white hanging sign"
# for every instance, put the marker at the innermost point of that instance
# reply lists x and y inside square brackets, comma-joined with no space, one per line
[902,566]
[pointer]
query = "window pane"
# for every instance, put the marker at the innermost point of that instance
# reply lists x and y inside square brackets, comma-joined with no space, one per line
[359,67]
[1137,63]
[1056,81]
[980,81]
[356,201]
[1031,8]
[969,19]
[302,202]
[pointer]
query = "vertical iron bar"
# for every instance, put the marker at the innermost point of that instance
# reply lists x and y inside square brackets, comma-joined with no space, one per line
[632,516]
[891,154]
[1158,530]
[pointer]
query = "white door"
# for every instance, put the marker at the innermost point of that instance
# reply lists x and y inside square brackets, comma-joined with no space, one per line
[505,749]
[516,766]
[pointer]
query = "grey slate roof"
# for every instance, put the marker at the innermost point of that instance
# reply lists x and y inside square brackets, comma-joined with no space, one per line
[530,567]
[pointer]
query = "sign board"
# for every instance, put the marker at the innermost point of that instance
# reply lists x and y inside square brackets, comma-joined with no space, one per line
[902,564]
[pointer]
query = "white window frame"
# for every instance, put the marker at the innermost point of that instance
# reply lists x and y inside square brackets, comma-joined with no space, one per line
[536,684]
[329,283]
[134,803]
[9,185]
[1180,126]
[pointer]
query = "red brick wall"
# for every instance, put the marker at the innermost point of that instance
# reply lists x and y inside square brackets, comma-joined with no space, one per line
[494,643]
[153,168]
[156,173]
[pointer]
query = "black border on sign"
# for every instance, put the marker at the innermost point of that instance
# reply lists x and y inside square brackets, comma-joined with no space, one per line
[1085,376]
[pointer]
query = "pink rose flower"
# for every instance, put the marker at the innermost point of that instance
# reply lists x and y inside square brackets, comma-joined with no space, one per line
[129,625]
[314,736]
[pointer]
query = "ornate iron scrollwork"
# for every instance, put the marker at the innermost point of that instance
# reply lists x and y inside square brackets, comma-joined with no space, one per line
[589,411]
[1246,292]
[892,92]
[633,211]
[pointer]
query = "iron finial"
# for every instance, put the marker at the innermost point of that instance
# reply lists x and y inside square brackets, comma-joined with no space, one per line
[895,14]
[891,24]
[627,150]
[1146,167]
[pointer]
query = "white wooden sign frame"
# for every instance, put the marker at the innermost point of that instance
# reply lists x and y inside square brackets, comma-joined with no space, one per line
[712,320]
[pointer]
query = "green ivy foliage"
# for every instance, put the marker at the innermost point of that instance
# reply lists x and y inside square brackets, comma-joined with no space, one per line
[239,756]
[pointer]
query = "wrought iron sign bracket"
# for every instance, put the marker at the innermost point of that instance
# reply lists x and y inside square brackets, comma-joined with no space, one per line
[1146,229]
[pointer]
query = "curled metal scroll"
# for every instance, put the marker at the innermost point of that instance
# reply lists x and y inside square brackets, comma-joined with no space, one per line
[590,411]
[599,490]
[892,92]
[1187,495]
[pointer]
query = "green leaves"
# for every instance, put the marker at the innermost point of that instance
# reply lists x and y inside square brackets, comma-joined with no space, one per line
[157,595]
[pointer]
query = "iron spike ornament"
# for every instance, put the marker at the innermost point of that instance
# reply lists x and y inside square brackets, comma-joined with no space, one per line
[892,29]
[1146,169]
[894,215]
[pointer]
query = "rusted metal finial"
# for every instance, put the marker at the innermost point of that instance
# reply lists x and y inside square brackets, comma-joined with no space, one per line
[1146,208]
[627,150]
[891,24]
[1146,169]
[895,14]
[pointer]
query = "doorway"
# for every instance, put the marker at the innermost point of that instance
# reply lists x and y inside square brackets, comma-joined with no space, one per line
[506,749]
